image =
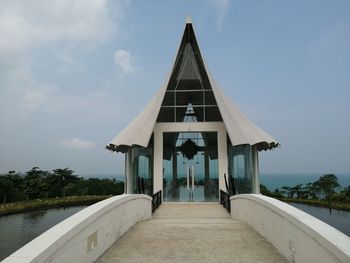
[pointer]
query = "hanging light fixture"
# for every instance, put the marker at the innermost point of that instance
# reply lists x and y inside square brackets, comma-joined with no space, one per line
[189,149]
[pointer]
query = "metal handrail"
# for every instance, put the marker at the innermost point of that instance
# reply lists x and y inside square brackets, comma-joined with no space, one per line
[141,185]
[156,200]
[225,200]
[230,184]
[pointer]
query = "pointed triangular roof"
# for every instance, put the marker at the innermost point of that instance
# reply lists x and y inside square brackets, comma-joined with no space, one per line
[239,129]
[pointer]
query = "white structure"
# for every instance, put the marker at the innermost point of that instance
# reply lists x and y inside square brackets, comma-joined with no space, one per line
[190,136]
[297,235]
[86,235]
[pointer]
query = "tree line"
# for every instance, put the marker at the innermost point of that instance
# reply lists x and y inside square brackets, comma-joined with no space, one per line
[36,183]
[325,188]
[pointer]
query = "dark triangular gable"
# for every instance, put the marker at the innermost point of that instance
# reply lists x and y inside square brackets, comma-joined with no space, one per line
[189,86]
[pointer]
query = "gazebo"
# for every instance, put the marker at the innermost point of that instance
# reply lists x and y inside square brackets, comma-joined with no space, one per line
[191,141]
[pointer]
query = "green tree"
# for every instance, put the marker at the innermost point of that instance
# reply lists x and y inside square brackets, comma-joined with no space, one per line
[11,187]
[288,191]
[55,185]
[346,194]
[61,182]
[264,190]
[58,180]
[35,183]
[327,184]
[312,190]
[6,188]
[298,190]
[17,181]
[339,197]
[70,189]
[66,174]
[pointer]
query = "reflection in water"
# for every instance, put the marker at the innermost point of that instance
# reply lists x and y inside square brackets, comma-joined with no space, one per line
[336,218]
[17,230]
[35,215]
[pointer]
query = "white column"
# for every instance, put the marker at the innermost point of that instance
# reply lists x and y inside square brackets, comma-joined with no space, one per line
[255,163]
[222,157]
[128,171]
[125,173]
[158,161]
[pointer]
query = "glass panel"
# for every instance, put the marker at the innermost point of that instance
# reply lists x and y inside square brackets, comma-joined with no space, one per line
[188,68]
[193,84]
[209,98]
[170,181]
[168,99]
[190,167]
[193,97]
[241,167]
[211,180]
[166,115]
[142,164]
[212,114]
[189,114]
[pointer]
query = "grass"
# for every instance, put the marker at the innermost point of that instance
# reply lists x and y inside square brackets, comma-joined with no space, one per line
[319,203]
[44,203]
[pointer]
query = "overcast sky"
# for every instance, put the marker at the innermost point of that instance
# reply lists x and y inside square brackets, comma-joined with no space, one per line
[75,73]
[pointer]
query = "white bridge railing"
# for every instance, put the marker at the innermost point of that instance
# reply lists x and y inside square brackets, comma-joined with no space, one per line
[87,234]
[298,236]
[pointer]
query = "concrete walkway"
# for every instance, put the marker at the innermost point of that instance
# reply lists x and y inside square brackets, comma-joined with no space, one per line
[191,232]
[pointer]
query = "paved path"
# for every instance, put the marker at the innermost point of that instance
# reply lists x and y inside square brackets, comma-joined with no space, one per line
[191,232]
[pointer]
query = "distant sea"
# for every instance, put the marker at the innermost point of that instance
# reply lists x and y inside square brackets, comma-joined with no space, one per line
[271,181]
[274,181]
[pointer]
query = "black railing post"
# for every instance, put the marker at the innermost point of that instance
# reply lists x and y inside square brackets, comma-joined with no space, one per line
[226,184]
[156,200]
[142,185]
[225,200]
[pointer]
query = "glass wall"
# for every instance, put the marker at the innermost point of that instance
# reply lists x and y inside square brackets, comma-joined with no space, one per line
[142,170]
[242,168]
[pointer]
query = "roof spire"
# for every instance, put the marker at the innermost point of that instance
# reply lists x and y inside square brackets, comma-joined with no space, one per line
[188,19]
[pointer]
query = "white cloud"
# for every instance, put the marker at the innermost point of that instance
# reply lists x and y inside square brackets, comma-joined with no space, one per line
[221,7]
[30,23]
[124,60]
[38,35]
[24,95]
[68,64]
[23,91]
[76,143]
[33,98]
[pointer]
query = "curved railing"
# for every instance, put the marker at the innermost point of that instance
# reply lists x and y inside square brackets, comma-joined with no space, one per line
[84,236]
[298,236]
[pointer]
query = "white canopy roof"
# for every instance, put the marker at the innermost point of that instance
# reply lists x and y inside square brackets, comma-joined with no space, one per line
[240,130]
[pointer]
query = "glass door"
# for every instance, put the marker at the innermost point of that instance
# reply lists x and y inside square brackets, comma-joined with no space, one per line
[193,190]
[190,167]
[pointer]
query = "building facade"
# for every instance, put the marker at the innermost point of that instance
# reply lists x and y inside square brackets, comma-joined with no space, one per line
[190,141]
